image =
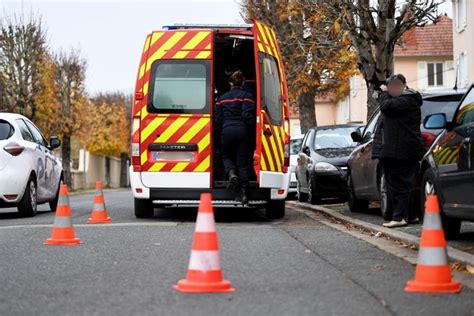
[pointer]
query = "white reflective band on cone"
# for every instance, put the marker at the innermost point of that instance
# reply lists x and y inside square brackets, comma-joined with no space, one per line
[62,221]
[63,200]
[99,207]
[432,256]
[431,221]
[205,223]
[204,260]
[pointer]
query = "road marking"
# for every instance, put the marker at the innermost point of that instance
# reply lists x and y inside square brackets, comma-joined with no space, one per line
[159,224]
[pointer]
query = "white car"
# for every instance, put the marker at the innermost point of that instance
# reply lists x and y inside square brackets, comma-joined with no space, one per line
[295,145]
[30,174]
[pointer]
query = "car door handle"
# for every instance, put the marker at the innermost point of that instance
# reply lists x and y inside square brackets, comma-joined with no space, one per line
[267,132]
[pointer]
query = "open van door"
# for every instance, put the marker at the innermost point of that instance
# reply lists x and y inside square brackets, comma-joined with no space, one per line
[272,146]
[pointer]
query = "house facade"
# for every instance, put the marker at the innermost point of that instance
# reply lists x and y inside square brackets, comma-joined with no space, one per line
[463,41]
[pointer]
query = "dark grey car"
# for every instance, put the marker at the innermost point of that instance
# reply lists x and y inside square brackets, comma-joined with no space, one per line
[366,181]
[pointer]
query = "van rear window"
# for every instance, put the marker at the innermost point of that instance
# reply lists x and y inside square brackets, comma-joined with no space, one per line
[181,86]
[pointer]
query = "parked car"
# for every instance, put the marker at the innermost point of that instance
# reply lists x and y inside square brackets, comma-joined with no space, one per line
[447,169]
[295,146]
[366,181]
[322,163]
[30,174]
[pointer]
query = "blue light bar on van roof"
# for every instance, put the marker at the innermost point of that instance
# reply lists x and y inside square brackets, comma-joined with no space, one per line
[179,26]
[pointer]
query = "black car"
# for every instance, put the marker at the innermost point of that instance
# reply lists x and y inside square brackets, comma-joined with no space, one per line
[322,163]
[448,167]
[366,181]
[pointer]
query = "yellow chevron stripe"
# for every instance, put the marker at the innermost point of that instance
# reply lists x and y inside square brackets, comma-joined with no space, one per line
[157,166]
[142,71]
[144,157]
[267,153]
[150,128]
[204,165]
[180,55]
[145,88]
[200,124]
[279,144]
[262,34]
[147,44]
[208,47]
[171,129]
[263,165]
[180,166]
[273,148]
[160,52]
[204,142]
[198,38]
[156,36]
[203,55]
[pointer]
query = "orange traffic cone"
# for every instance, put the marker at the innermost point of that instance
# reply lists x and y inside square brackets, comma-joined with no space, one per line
[433,274]
[204,271]
[99,213]
[63,232]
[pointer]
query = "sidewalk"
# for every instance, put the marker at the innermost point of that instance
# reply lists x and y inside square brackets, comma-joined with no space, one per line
[460,250]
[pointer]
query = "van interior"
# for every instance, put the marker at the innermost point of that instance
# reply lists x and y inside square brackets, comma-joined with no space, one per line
[232,52]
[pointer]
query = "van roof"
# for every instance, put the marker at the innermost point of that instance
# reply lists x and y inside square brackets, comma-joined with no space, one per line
[181,26]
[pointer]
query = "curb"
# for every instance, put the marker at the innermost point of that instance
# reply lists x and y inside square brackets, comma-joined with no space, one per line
[453,253]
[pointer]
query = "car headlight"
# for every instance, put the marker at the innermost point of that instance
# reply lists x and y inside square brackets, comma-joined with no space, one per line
[324,166]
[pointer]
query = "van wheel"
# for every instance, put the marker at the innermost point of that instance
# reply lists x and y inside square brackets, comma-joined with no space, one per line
[275,209]
[385,207]
[312,194]
[28,204]
[302,197]
[143,208]
[355,204]
[451,226]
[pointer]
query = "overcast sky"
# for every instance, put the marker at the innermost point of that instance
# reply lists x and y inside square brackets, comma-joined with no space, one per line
[111,33]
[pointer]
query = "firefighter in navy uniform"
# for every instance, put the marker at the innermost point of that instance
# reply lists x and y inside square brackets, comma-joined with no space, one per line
[235,120]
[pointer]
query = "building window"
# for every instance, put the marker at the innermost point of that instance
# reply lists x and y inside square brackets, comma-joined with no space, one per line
[435,74]
[462,70]
[353,85]
[461,18]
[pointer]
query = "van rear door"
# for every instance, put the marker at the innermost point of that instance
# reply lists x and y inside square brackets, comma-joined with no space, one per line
[175,119]
[271,104]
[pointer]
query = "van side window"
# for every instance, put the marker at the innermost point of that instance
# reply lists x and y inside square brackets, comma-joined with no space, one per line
[271,89]
[180,86]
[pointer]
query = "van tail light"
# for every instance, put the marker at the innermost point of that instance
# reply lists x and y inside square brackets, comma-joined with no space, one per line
[286,161]
[135,144]
[14,149]
[428,139]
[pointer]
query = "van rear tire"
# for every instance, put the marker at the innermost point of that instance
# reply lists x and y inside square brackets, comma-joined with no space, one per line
[275,209]
[143,208]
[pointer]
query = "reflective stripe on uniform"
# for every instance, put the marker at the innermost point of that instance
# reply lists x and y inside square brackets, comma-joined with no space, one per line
[62,221]
[202,260]
[432,256]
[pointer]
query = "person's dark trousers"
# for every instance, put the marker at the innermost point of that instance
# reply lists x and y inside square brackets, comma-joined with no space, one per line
[235,151]
[399,177]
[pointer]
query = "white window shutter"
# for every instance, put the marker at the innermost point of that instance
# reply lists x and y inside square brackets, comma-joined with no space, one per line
[422,75]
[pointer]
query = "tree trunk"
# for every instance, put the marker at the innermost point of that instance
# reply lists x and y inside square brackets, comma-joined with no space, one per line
[306,106]
[123,170]
[372,102]
[66,157]
[107,171]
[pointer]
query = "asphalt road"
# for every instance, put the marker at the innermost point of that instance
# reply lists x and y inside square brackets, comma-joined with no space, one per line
[294,266]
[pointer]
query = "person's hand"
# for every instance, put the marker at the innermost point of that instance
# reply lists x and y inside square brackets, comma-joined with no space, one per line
[383,87]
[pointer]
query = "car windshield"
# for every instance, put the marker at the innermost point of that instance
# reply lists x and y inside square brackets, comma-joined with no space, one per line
[5,130]
[295,145]
[444,104]
[334,138]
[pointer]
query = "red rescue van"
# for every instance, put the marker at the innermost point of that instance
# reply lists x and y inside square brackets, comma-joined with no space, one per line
[175,152]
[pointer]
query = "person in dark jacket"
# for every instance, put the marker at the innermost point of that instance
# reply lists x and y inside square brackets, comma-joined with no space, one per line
[235,119]
[398,144]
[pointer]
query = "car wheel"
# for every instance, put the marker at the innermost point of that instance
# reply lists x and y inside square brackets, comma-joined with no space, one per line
[385,207]
[275,209]
[302,197]
[355,204]
[312,194]
[143,208]
[451,226]
[28,204]
[53,204]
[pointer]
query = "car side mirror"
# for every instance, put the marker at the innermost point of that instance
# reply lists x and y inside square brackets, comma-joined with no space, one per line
[356,136]
[54,142]
[435,121]
[306,151]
